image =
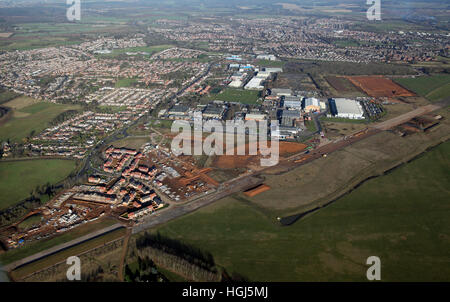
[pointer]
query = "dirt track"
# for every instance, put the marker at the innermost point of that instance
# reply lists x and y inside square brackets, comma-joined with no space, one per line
[405,117]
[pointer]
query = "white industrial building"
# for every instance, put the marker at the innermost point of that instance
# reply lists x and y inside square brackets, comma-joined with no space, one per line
[347,108]
[255,116]
[254,84]
[263,75]
[235,84]
[267,57]
[312,104]
[273,69]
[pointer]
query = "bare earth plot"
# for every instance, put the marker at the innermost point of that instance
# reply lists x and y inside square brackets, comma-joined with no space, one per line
[314,180]
[325,179]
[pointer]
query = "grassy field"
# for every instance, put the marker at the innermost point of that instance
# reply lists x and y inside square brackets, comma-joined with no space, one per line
[126,82]
[162,123]
[401,217]
[6,96]
[34,117]
[311,126]
[133,142]
[30,221]
[26,43]
[269,63]
[38,246]
[434,88]
[440,93]
[19,178]
[20,102]
[63,255]
[236,95]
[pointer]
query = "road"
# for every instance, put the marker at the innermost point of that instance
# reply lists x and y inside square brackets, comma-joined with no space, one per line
[11,266]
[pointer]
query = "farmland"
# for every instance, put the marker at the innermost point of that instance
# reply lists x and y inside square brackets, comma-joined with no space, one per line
[386,216]
[29,174]
[342,85]
[377,86]
[434,88]
[31,119]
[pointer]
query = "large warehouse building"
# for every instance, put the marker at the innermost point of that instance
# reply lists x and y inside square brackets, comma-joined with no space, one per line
[346,108]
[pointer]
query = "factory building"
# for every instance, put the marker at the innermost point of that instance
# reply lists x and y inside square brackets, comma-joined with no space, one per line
[311,105]
[267,57]
[214,111]
[178,111]
[284,132]
[292,102]
[255,116]
[346,108]
[281,92]
[254,84]
[273,69]
[289,117]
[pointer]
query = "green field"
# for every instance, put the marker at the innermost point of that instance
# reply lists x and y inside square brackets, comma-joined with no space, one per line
[27,43]
[131,142]
[30,221]
[401,217]
[19,178]
[236,95]
[126,82]
[35,118]
[440,93]
[311,126]
[161,124]
[434,88]
[268,63]
[6,95]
